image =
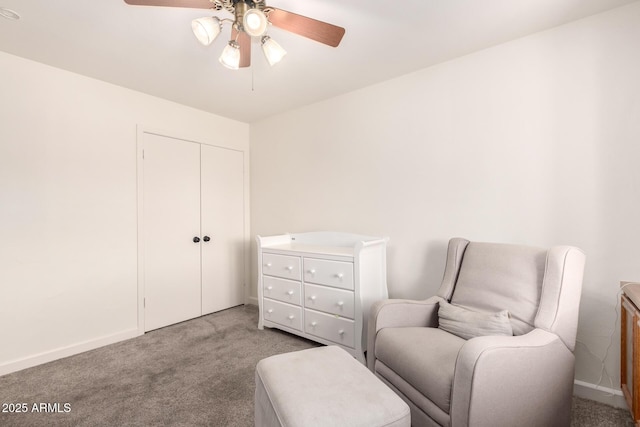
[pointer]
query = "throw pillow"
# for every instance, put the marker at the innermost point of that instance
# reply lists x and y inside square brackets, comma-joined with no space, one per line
[467,323]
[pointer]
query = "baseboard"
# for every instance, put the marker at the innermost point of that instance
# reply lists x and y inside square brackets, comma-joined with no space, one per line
[599,393]
[252,300]
[59,353]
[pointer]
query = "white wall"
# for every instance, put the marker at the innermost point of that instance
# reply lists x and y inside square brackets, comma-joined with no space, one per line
[535,141]
[68,245]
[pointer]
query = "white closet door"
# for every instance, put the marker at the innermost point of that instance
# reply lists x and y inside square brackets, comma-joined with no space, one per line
[223,222]
[171,219]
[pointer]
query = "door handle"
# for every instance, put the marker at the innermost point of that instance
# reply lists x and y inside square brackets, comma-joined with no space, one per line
[196,239]
[206,238]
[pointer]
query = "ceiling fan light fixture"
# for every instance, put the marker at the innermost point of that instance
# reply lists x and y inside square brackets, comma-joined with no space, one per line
[272,50]
[249,18]
[230,57]
[255,22]
[206,29]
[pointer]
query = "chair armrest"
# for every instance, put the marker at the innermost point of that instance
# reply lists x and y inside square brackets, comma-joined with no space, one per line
[518,380]
[395,313]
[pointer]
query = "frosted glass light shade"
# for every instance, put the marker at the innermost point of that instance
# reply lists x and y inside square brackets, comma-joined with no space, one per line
[254,22]
[272,50]
[230,57]
[206,29]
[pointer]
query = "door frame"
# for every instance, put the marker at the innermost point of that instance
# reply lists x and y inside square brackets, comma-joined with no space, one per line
[141,130]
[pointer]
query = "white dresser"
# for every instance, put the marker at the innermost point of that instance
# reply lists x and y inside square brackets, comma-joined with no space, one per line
[320,285]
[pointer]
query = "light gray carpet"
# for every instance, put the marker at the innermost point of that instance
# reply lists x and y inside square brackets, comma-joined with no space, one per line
[196,373]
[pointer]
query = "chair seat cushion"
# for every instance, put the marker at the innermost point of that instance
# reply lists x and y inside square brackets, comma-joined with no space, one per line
[424,357]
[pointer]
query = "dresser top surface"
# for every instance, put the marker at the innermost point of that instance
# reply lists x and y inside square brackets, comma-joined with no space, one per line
[310,249]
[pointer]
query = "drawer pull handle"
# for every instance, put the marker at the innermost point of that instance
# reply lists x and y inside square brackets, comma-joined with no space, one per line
[312,297]
[340,303]
[268,265]
[289,292]
[290,268]
[312,271]
[270,311]
[314,323]
[341,332]
[340,276]
[290,317]
[269,288]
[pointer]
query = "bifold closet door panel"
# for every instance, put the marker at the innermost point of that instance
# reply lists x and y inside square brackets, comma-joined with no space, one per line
[222,188]
[171,220]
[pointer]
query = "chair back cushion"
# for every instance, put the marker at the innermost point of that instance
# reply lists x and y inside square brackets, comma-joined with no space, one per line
[495,277]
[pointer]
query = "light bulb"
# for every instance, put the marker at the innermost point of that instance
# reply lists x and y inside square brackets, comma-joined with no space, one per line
[255,22]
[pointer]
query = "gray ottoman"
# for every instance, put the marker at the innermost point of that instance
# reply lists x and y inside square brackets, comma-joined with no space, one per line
[324,386]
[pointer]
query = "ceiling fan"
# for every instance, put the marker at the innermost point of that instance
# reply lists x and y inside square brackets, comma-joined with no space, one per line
[251,18]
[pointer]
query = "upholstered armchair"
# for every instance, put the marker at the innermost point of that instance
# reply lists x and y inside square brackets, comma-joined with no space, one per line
[479,365]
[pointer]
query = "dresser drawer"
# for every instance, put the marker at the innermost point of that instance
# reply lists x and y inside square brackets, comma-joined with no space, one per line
[283,314]
[329,300]
[281,289]
[284,266]
[329,327]
[332,273]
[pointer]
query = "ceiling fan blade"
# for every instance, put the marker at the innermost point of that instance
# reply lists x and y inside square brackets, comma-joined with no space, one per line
[307,27]
[244,40]
[197,4]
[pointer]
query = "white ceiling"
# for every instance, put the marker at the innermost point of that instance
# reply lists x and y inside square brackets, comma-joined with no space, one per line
[152,49]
